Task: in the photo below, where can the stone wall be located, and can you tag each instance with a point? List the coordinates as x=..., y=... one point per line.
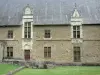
x=60, y=42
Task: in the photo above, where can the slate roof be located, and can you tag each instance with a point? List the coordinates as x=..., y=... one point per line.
x=49, y=11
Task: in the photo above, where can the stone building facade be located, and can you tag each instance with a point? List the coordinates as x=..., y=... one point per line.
x=64, y=43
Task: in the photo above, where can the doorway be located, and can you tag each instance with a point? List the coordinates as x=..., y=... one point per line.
x=27, y=54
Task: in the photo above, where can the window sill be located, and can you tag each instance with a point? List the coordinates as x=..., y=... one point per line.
x=47, y=38
x=8, y=58
x=77, y=61
x=26, y=38
x=10, y=39
x=47, y=58
x=77, y=40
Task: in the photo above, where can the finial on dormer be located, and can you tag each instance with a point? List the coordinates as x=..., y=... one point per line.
x=76, y=16
x=75, y=5
x=27, y=5
x=75, y=13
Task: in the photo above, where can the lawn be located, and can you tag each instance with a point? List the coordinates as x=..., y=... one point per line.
x=69, y=70
x=5, y=68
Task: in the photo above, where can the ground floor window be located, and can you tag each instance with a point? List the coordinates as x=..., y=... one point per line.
x=77, y=54
x=9, y=52
x=47, y=52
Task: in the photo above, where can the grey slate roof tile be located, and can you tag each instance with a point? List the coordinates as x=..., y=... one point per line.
x=49, y=11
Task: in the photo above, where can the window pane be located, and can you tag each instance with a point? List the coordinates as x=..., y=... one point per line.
x=9, y=52
x=49, y=49
x=47, y=52
x=74, y=34
x=74, y=28
x=77, y=54
x=29, y=24
x=27, y=30
x=45, y=49
x=25, y=24
x=76, y=31
x=49, y=55
x=47, y=34
x=45, y=55
x=78, y=28
x=29, y=35
x=78, y=48
x=78, y=34
x=25, y=35
x=10, y=34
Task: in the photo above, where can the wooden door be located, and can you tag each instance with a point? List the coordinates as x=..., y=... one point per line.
x=27, y=54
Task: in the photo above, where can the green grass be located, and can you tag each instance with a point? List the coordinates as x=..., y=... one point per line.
x=70, y=70
x=5, y=68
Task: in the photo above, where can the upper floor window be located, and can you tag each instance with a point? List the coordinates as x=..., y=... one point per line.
x=47, y=52
x=77, y=54
x=10, y=33
x=47, y=34
x=9, y=52
x=27, y=30
x=76, y=31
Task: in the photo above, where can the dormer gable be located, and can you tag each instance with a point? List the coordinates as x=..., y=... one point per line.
x=28, y=10
x=76, y=18
x=76, y=14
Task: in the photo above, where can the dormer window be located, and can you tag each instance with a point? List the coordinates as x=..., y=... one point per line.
x=76, y=31
x=27, y=22
x=27, y=30
x=76, y=25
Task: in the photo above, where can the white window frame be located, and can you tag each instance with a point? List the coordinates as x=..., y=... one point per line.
x=27, y=33
x=76, y=31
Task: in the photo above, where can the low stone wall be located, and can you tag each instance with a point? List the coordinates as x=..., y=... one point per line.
x=15, y=71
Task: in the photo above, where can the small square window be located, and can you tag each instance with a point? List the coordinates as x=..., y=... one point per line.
x=47, y=34
x=10, y=33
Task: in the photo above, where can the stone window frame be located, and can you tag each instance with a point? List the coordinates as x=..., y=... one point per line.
x=47, y=52
x=9, y=52
x=10, y=34
x=27, y=30
x=76, y=31
x=77, y=53
x=47, y=33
